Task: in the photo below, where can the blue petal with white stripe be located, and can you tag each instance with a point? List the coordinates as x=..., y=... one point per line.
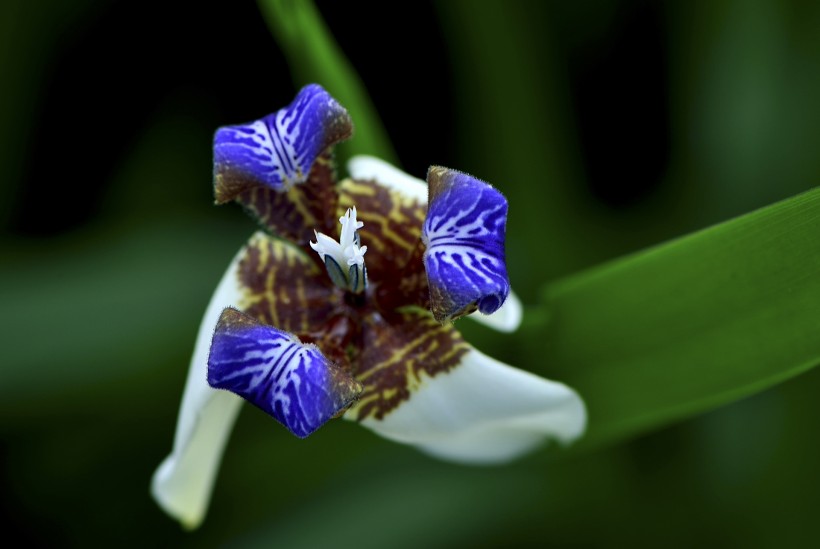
x=278, y=150
x=274, y=371
x=464, y=233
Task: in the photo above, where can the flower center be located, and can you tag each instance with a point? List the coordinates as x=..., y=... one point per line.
x=344, y=260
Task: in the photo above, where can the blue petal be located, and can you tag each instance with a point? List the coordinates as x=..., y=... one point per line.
x=279, y=150
x=274, y=371
x=464, y=234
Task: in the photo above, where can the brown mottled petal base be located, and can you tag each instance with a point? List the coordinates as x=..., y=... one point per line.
x=481, y=411
x=392, y=224
x=292, y=214
x=371, y=168
x=283, y=286
x=397, y=353
x=408, y=286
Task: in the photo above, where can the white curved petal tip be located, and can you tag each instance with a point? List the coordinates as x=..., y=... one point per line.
x=484, y=412
x=183, y=483
x=506, y=319
x=179, y=504
x=370, y=167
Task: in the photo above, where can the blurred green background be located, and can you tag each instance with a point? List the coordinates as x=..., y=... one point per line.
x=609, y=125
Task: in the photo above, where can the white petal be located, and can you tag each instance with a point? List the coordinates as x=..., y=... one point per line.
x=325, y=245
x=183, y=482
x=370, y=167
x=506, y=319
x=484, y=412
x=350, y=225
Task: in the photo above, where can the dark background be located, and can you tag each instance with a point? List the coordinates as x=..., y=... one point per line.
x=611, y=126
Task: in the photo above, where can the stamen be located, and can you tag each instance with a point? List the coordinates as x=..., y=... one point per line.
x=348, y=252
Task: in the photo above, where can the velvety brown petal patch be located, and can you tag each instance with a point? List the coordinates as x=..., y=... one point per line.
x=399, y=287
x=283, y=287
x=392, y=223
x=397, y=353
x=292, y=214
x=340, y=337
x=392, y=234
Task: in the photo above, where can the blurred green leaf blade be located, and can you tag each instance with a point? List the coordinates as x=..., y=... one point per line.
x=667, y=333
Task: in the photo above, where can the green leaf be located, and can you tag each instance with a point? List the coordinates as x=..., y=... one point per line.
x=475, y=494
x=314, y=56
x=686, y=326
x=124, y=309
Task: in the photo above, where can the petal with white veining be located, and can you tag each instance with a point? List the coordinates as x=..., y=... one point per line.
x=364, y=167
x=278, y=151
x=464, y=233
x=292, y=382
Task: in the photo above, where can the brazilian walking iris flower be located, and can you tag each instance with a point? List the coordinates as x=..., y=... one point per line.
x=344, y=306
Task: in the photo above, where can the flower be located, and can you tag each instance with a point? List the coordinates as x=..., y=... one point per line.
x=307, y=327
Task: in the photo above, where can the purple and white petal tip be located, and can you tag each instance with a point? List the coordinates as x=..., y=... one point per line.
x=275, y=372
x=278, y=151
x=464, y=233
